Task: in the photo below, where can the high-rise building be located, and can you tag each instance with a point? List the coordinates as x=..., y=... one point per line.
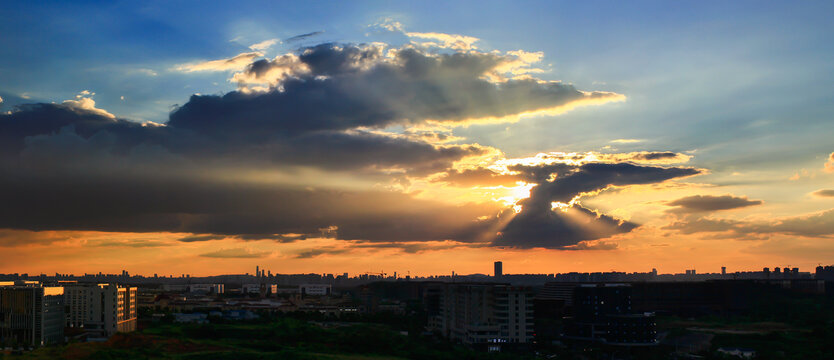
x=31, y=314
x=101, y=309
x=723, y=270
x=499, y=269
x=485, y=314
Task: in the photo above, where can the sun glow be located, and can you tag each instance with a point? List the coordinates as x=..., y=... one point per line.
x=564, y=207
x=515, y=194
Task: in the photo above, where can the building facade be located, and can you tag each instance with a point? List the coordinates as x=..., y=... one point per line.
x=31, y=315
x=315, y=289
x=101, y=309
x=603, y=313
x=485, y=314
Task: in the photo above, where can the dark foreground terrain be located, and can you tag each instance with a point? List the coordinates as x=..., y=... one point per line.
x=284, y=338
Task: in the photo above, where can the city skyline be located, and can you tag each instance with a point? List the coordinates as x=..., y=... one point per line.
x=419, y=138
x=821, y=271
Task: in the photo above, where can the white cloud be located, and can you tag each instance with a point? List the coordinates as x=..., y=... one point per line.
x=277, y=70
x=84, y=101
x=236, y=63
x=446, y=41
x=388, y=24
x=263, y=45
x=626, y=141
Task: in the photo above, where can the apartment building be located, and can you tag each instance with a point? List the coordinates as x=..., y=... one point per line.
x=484, y=314
x=101, y=309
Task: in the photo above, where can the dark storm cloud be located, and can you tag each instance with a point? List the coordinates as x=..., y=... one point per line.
x=68, y=167
x=559, y=230
x=707, y=203
x=345, y=87
x=46, y=119
x=124, y=202
x=340, y=151
x=39, y=131
x=537, y=225
x=572, y=180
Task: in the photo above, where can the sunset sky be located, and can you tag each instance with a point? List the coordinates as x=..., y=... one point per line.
x=416, y=137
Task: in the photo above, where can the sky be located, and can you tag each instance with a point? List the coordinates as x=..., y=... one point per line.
x=416, y=137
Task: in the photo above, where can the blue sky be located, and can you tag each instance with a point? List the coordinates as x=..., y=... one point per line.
x=687, y=69
x=740, y=87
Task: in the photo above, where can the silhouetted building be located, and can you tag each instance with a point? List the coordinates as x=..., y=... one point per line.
x=549, y=309
x=603, y=313
x=499, y=271
x=825, y=273
x=31, y=314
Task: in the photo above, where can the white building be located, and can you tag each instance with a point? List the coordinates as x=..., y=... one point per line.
x=101, y=309
x=488, y=314
x=206, y=288
x=314, y=289
x=263, y=289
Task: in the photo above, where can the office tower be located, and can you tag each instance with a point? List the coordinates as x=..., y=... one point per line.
x=31, y=314
x=101, y=309
x=723, y=270
x=499, y=271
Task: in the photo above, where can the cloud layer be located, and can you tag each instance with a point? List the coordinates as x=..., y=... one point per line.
x=304, y=149
x=540, y=224
x=708, y=203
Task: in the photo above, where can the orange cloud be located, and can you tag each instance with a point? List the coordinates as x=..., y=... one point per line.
x=829, y=165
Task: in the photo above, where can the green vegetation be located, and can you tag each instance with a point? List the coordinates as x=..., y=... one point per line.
x=781, y=325
x=279, y=338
